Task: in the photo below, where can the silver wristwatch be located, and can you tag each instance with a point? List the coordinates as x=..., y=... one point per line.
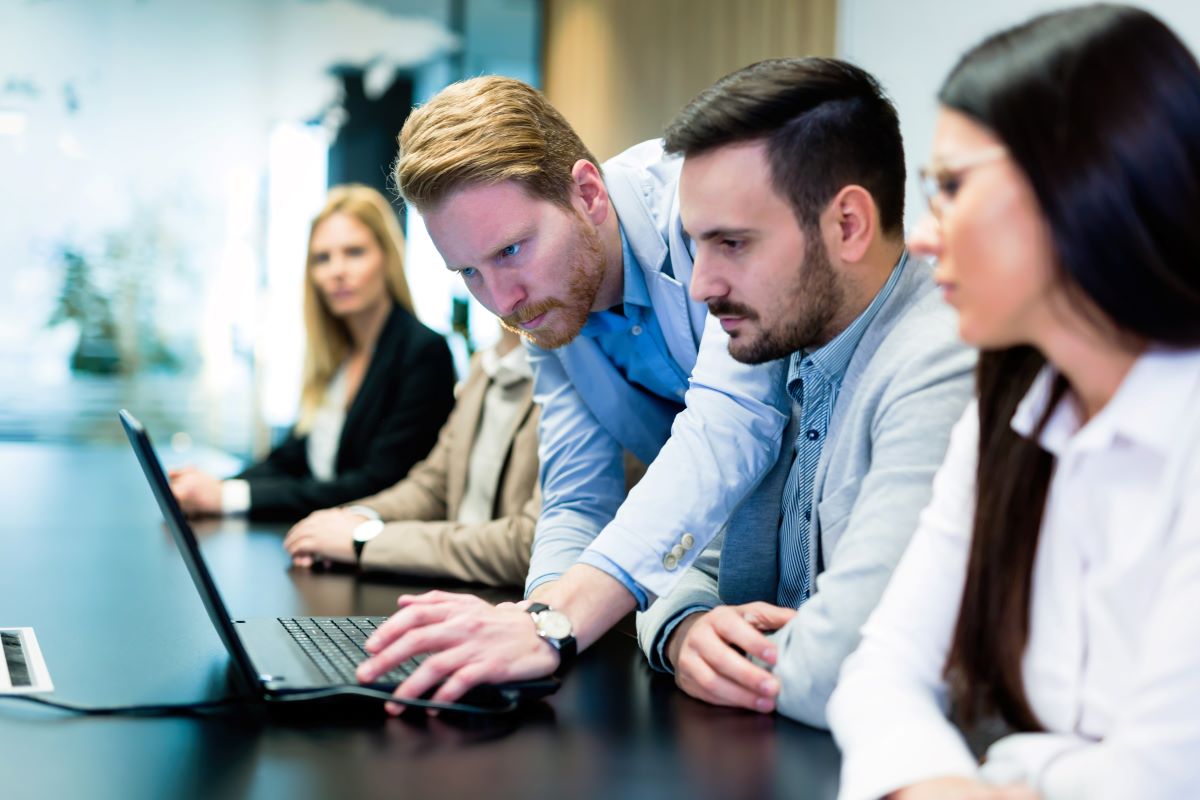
x=363, y=533
x=555, y=629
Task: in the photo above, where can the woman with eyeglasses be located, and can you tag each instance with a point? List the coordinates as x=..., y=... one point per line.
x=1052, y=590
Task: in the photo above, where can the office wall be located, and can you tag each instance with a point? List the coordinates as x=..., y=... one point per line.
x=912, y=45
x=619, y=70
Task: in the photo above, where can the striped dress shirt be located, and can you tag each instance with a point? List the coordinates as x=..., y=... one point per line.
x=814, y=379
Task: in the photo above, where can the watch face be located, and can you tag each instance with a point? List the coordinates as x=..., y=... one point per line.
x=367, y=531
x=553, y=624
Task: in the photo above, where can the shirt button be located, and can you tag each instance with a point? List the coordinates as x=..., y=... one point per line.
x=688, y=541
x=636, y=330
x=670, y=561
x=813, y=435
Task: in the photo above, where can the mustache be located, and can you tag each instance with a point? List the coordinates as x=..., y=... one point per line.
x=529, y=311
x=728, y=308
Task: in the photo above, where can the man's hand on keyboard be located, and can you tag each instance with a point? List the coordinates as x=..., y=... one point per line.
x=470, y=641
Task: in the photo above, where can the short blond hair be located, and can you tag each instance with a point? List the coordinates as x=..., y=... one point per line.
x=485, y=131
x=328, y=338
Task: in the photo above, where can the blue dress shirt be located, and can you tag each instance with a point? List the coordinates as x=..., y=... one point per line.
x=618, y=387
x=633, y=341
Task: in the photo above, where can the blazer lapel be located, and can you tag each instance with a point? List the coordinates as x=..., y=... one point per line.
x=468, y=414
x=916, y=276
x=382, y=358
x=524, y=408
x=522, y=413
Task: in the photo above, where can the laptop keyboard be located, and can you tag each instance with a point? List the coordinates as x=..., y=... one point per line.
x=335, y=645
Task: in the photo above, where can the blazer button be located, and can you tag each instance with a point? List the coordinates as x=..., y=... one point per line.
x=677, y=551
x=670, y=561
x=688, y=541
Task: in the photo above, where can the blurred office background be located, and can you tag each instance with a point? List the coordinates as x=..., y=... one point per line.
x=160, y=161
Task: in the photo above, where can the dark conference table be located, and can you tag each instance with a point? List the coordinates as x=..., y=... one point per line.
x=88, y=564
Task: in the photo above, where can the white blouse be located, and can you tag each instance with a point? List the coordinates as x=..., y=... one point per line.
x=326, y=432
x=508, y=374
x=1112, y=666
x=321, y=446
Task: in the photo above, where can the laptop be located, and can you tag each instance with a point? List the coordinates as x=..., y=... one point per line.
x=292, y=660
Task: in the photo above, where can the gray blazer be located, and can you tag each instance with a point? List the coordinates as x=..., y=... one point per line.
x=908, y=382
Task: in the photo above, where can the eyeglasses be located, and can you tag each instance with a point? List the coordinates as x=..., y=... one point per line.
x=941, y=184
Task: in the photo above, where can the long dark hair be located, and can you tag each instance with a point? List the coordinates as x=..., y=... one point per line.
x=1100, y=108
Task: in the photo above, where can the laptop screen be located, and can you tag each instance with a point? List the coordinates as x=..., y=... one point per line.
x=189, y=548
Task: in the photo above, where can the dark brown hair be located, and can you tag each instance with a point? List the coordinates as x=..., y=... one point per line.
x=1012, y=478
x=827, y=125
x=1099, y=107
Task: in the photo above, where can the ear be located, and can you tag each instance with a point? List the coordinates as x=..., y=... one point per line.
x=589, y=192
x=851, y=223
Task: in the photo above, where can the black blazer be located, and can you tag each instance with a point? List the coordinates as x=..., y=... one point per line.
x=393, y=423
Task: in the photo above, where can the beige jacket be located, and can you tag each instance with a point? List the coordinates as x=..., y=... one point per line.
x=422, y=538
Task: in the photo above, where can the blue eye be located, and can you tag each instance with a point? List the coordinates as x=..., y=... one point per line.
x=468, y=272
x=510, y=251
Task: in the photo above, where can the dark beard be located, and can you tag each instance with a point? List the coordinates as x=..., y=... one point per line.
x=819, y=298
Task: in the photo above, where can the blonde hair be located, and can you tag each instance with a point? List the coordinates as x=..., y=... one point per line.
x=486, y=131
x=328, y=338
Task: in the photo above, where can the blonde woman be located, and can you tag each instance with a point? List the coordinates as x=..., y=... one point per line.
x=377, y=383
x=468, y=510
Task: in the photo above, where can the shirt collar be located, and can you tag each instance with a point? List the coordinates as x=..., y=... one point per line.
x=1152, y=402
x=636, y=291
x=507, y=370
x=1062, y=423
x=832, y=359
x=635, y=299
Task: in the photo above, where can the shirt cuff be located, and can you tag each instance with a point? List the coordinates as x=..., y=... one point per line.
x=658, y=571
x=1029, y=758
x=235, y=496
x=533, y=583
x=363, y=511
x=607, y=565
x=660, y=661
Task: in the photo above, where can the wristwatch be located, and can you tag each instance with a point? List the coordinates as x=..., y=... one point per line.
x=555, y=629
x=363, y=533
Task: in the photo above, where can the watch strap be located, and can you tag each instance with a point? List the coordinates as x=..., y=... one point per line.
x=567, y=647
x=359, y=539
